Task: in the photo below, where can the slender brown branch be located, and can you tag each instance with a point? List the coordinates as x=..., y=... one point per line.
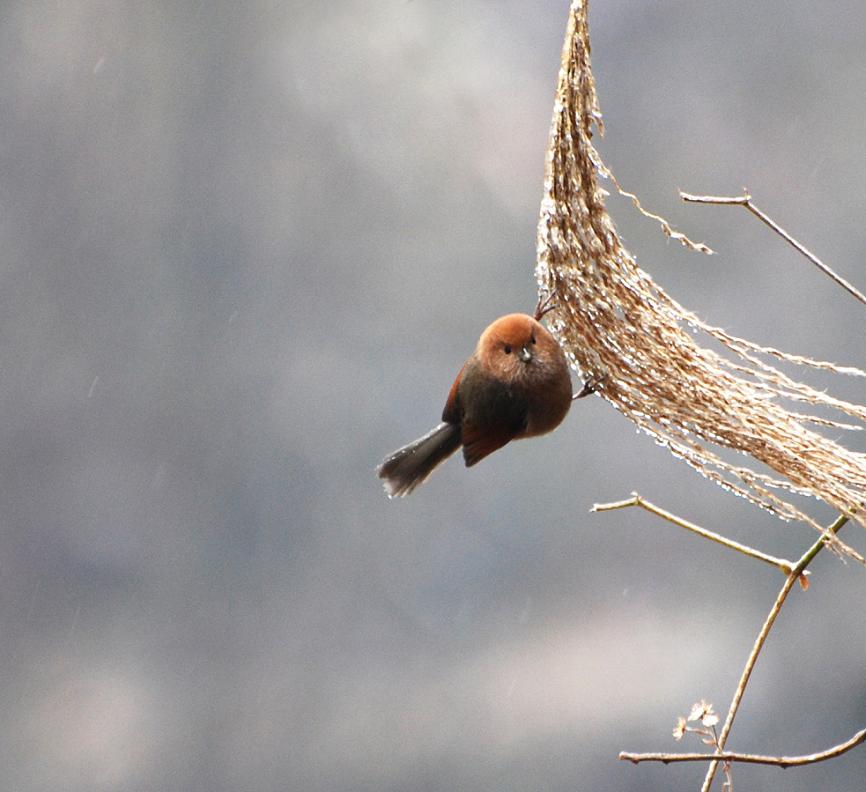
x=730, y=756
x=637, y=500
x=746, y=201
x=800, y=567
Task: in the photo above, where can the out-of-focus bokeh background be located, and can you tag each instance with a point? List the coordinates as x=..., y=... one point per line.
x=245, y=249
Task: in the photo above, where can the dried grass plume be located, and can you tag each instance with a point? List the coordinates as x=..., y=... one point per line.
x=615, y=322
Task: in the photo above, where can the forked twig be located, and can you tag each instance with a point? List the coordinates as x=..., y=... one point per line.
x=746, y=200
x=794, y=572
x=636, y=499
x=792, y=578
x=730, y=756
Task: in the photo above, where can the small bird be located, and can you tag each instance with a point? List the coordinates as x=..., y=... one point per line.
x=516, y=384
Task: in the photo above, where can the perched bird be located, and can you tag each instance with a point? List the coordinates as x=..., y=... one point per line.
x=516, y=384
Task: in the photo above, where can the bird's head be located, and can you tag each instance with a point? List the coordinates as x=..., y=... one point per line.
x=516, y=345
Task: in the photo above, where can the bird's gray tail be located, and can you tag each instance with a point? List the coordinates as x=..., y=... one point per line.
x=412, y=465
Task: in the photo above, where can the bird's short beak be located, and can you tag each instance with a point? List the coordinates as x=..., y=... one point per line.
x=525, y=354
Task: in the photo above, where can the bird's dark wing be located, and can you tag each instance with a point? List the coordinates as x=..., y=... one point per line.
x=479, y=442
x=453, y=412
x=492, y=415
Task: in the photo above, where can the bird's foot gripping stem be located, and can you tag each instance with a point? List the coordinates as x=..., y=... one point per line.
x=546, y=304
x=590, y=386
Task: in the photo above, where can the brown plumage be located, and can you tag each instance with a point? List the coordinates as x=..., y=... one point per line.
x=516, y=384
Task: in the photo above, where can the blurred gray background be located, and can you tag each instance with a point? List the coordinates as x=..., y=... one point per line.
x=245, y=249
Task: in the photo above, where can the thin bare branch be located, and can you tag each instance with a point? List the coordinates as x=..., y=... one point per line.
x=746, y=201
x=785, y=566
x=721, y=200
x=798, y=570
x=730, y=756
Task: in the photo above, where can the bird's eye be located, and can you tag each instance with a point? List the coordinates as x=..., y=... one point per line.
x=532, y=338
x=507, y=349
